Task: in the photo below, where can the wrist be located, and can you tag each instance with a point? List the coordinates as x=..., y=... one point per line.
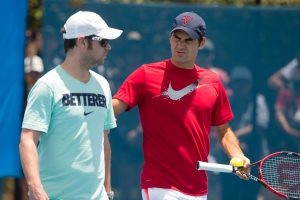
x=240, y=155
x=34, y=185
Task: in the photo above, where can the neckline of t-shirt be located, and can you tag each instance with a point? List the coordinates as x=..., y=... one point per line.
x=173, y=67
x=71, y=78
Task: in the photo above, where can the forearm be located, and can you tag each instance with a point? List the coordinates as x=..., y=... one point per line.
x=29, y=160
x=275, y=81
x=244, y=131
x=282, y=120
x=107, y=157
x=229, y=142
x=285, y=125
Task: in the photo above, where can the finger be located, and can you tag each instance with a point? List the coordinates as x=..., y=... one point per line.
x=242, y=175
x=246, y=170
x=246, y=163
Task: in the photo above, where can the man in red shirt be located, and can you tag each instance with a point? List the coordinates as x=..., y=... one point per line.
x=178, y=103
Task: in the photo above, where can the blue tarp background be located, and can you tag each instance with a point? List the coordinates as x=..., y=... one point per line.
x=261, y=38
x=12, y=40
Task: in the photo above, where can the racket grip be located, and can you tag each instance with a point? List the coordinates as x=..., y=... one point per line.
x=214, y=167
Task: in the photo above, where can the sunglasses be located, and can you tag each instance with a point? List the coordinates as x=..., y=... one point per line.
x=103, y=42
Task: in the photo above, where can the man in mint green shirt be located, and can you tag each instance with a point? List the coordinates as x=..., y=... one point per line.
x=68, y=116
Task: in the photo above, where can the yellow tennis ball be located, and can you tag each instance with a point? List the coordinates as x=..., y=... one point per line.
x=236, y=162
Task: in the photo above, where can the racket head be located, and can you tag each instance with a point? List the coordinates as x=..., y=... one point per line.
x=280, y=171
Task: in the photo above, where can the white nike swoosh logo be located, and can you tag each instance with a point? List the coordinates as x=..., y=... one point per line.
x=178, y=94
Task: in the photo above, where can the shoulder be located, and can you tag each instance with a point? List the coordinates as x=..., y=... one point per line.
x=52, y=74
x=208, y=74
x=101, y=80
x=98, y=77
x=148, y=69
x=155, y=65
x=49, y=78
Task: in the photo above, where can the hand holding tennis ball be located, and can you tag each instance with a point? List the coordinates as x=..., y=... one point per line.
x=236, y=162
x=244, y=162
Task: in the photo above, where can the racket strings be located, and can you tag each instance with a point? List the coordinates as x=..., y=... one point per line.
x=282, y=173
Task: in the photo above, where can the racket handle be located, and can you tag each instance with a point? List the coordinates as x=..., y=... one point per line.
x=214, y=167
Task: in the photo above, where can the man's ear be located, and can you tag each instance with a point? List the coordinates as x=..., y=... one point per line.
x=202, y=44
x=81, y=42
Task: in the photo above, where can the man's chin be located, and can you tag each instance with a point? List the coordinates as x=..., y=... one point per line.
x=100, y=62
x=179, y=59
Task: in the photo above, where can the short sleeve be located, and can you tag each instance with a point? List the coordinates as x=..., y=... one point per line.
x=222, y=112
x=39, y=108
x=110, y=121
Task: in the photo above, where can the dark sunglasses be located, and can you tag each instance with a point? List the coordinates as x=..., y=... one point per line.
x=103, y=42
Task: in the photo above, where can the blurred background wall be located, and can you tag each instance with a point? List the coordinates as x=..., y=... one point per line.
x=262, y=40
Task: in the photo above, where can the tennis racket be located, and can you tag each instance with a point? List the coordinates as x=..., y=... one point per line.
x=279, y=172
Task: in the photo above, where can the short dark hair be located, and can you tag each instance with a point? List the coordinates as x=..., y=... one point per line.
x=71, y=43
x=68, y=43
x=200, y=39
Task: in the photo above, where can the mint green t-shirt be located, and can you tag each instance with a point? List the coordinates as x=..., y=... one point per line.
x=72, y=117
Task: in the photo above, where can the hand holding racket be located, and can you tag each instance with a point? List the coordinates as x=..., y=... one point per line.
x=243, y=164
x=279, y=172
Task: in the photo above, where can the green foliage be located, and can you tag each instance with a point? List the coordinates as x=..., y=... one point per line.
x=219, y=2
x=35, y=14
